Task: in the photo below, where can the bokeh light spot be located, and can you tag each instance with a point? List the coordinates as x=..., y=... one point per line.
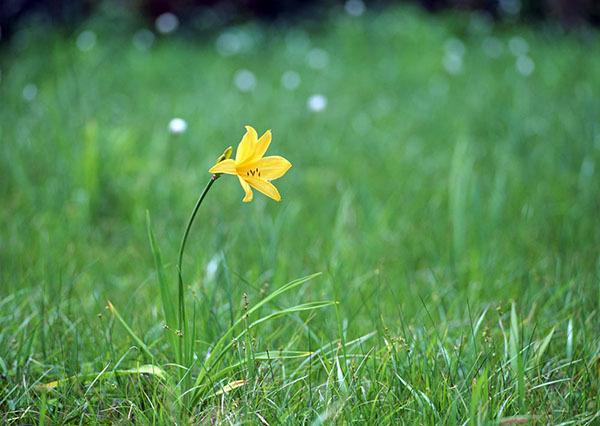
x=290, y=80
x=166, y=23
x=518, y=46
x=354, y=7
x=244, y=80
x=143, y=39
x=317, y=103
x=525, y=65
x=317, y=59
x=86, y=40
x=492, y=47
x=30, y=92
x=177, y=126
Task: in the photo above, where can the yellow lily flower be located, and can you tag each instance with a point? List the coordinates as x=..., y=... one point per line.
x=252, y=169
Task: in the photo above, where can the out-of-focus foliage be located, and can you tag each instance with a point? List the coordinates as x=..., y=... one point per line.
x=199, y=14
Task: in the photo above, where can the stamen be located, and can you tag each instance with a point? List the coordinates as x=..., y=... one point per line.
x=253, y=172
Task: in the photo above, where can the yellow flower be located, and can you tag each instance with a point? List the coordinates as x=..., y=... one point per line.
x=252, y=169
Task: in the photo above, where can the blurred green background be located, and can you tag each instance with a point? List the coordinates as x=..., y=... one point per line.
x=444, y=167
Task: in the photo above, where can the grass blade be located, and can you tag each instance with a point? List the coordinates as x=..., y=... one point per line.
x=134, y=336
x=148, y=369
x=167, y=299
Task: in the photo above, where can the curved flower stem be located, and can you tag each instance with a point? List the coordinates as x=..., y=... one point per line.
x=182, y=323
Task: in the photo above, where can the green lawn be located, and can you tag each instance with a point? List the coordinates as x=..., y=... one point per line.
x=449, y=193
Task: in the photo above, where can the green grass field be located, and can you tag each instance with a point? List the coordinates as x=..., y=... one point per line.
x=449, y=194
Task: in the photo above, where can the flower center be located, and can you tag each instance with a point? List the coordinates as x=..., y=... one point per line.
x=253, y=172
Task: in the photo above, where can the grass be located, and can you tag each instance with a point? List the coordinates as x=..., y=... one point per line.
x=450, y=202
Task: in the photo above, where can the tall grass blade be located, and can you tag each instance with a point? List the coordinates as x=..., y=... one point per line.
x=540, y=347
x=516, y=357
x=460, y=178
x=167, y=298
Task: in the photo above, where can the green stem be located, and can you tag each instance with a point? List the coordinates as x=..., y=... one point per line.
x=182, y=323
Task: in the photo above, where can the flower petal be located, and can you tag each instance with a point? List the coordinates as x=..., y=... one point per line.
x=245, y=149
x=262, y=145
x=247, y=190
x=225, y=166
x=265, y=187
x=267, y=168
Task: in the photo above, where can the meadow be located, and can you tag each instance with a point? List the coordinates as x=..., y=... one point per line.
x=445, y=185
